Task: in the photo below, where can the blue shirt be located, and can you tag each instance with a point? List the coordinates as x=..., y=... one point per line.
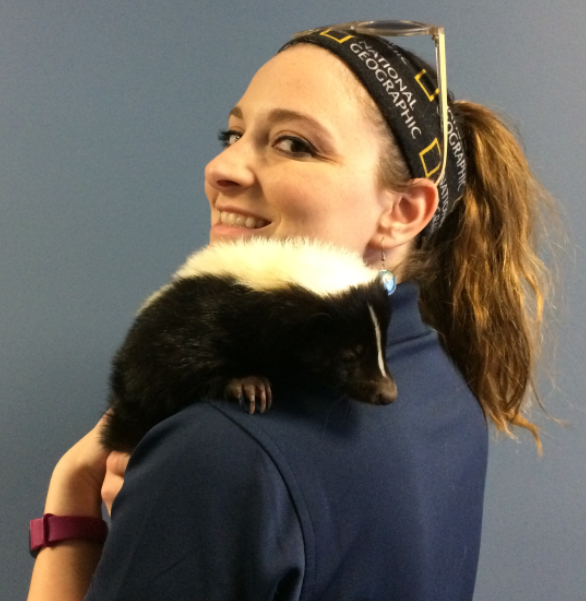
x=320, y=498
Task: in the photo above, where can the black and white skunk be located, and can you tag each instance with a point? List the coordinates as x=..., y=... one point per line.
x=245, y=320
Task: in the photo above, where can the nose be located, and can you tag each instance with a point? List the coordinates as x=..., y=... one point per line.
x=387, y=392
x=232, y=169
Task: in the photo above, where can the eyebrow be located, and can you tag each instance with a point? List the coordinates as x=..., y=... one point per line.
x=276, y=115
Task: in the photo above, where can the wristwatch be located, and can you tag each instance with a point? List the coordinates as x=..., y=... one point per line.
x=52, y=529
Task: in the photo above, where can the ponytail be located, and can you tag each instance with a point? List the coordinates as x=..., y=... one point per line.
x=482, y=284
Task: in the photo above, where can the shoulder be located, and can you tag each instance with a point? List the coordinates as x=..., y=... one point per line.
x=203, y=445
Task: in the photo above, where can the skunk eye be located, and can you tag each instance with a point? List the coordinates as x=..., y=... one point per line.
x=348, y=355
x=351, y=355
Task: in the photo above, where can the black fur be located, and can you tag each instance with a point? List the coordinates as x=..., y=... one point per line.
x=203, y=331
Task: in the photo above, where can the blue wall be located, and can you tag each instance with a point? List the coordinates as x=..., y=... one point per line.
x=109, y=112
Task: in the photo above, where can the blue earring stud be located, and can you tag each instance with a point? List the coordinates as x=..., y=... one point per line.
x=387, y=278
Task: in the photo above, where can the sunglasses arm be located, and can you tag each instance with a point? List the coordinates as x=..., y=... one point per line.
x=440, y=48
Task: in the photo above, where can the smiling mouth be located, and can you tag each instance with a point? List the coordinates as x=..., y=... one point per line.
x=244, y=221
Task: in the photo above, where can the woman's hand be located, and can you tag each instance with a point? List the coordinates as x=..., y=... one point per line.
x=86, y=475
x=64, y=571
x=78, y=476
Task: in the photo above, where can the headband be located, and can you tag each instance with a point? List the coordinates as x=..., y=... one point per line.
x=407, y=97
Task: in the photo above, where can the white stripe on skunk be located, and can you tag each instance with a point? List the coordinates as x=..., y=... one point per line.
x=263, y=264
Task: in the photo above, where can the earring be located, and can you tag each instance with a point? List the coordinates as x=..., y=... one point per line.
x=387, y=278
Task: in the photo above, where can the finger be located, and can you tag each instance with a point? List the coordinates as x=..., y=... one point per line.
x=250, y=390
x=110, y=488
x=117, y=462
x=269, y=394
x=245, y=403
x=262, y=397
x=114, y=478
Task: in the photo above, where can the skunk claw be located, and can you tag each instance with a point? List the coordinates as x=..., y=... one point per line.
x=250, y=391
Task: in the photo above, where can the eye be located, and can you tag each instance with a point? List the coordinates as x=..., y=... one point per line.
x=351, y=355
x=295, y=146
x=228, y=136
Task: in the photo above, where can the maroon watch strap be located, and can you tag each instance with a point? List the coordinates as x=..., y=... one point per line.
x=52, y=529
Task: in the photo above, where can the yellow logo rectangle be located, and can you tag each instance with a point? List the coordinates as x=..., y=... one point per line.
x=418, y=80
x=427, y=158
x=327, y=34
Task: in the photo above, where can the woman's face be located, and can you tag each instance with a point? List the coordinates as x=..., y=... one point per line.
x=301, y=158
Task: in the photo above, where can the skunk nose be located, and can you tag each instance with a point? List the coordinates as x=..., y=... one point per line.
x=386, y=393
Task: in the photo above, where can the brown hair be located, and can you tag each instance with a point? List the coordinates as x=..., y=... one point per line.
x=483, y=285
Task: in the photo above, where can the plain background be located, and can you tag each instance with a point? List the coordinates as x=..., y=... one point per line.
x=109, y=112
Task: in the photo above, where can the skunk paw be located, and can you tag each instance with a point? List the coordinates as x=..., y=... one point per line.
x=249, y=392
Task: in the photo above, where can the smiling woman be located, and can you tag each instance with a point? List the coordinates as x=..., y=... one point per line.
x=303, y=157
x=322, y=497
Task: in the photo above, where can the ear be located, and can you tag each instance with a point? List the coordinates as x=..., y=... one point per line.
x=408, y=213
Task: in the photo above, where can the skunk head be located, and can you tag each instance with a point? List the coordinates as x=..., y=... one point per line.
x=344, y=344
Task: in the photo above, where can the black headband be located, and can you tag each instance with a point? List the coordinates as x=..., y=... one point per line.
x=406, y=95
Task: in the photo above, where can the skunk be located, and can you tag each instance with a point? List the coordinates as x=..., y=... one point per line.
x=244, y=320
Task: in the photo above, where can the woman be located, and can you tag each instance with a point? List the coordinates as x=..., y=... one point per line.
x=323, y=498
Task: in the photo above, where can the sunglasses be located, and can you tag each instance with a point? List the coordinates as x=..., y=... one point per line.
x=407, y=28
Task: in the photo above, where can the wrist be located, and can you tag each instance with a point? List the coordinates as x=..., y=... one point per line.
x=51, y=530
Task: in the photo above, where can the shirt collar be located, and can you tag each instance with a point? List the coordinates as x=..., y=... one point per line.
x=406, y=322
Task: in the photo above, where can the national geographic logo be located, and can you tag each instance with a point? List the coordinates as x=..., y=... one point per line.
x=430, y=95
x=431, y=158
x=331, y=33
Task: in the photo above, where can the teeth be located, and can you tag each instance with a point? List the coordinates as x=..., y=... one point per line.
x=241, y=221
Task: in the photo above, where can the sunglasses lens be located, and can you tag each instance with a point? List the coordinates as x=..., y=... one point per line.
x=394, y=27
